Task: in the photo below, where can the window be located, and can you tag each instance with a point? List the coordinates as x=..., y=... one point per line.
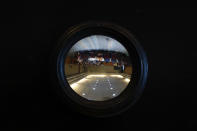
x=101, y=68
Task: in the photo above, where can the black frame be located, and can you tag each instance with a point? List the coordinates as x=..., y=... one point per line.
x=137, y=56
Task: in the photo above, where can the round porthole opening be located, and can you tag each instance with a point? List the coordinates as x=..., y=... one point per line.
x=101, y=69
x=98, y=68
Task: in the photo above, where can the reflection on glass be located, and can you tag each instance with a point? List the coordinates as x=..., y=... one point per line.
x=98, y=68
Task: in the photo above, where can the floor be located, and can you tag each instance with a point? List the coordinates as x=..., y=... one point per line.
x=100, y=87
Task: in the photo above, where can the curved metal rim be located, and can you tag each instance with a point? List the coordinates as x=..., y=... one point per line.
x=140, y=51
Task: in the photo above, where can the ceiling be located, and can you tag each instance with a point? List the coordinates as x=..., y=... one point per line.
x=98, y=42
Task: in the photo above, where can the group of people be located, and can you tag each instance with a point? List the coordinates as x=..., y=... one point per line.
x=99, y=58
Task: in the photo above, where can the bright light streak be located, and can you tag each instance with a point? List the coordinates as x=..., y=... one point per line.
x=91, y=59
x=127, y=80
x=82, y=80
x=89, y=76
x=74, y=86
x=119, y=76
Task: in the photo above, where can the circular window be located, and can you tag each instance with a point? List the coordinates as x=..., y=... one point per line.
x=98, y=68
x=101, y=68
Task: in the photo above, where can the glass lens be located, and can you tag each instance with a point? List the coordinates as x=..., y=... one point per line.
x=98, y=68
